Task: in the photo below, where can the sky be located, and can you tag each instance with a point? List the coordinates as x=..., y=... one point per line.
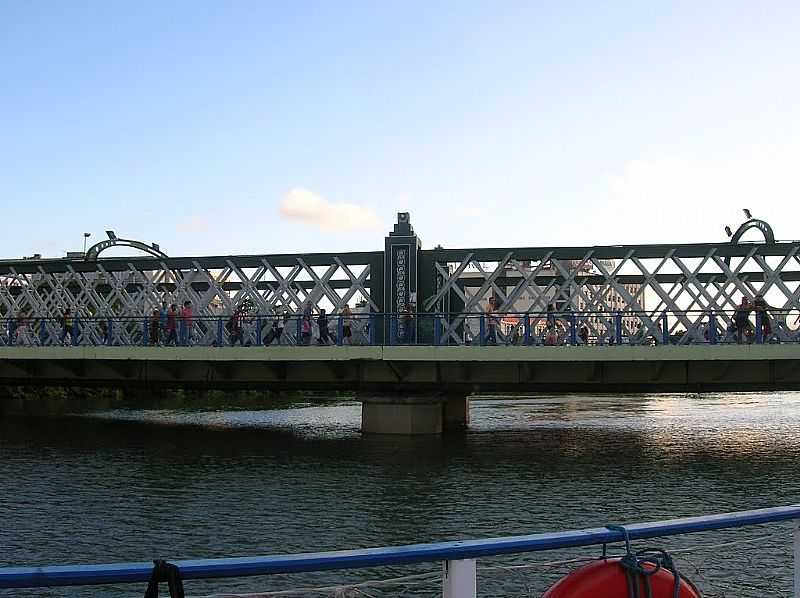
x=265, y=127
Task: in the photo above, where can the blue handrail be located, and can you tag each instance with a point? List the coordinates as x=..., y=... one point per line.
x=69, y=575
x=665, y=327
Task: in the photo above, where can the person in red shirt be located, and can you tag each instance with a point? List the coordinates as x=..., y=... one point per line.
x=186, y=323
x=171, y=327
x=235, y=327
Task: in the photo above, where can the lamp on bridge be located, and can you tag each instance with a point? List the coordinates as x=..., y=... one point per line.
x=111, y=235
x=728, y=231
x=85, y=236
x=747, y=213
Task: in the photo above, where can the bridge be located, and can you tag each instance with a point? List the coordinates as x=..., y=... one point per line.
x=424, y=327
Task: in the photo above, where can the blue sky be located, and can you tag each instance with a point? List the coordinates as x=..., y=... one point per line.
x=262, y=127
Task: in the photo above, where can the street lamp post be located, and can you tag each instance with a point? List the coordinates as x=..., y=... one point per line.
x=85, y=236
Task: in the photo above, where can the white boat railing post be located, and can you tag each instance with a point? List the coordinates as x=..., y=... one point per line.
x=796, y=558
x=459, y=579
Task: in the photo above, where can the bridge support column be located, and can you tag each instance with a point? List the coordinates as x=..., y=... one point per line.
x=455, y=412
x=411, y=416
x=401, y=415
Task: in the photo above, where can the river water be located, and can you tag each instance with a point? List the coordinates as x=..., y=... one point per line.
x=137, y=485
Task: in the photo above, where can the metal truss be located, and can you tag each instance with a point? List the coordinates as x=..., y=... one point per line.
x=595, y=287
x=641, y=284
x=129, y=290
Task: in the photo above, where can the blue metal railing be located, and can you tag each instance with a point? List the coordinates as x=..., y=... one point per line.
x=428, y=328
x=71, y=575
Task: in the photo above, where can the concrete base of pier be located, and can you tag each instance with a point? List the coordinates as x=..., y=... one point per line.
x=415, y=415
x=455, y=412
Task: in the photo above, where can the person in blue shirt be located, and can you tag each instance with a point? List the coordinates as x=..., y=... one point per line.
x=162, y=318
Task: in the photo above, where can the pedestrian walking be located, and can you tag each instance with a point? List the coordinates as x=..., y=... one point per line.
x=741, y=318
x=551, y=315
x=347, y=325
x=583, y=334
x=11, y=331
x=66, y=326
x=638, y=336
x=491, y=321
x=23, y=330
x=322, y=324
x=102, y=324
x=760, y=306
x=162, y=319
x=235, y=328
x=305, y=330
x=408, y=327
x=281, y=323
x=155, y=327
x=172, y=325
x=187, y=319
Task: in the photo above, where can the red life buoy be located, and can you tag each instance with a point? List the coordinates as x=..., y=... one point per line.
x=606, y=578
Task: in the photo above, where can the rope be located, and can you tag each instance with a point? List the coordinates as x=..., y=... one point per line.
x=636, y=567
x=724, y=544
x=512, y=568
x=164, y=571
x=408, y=580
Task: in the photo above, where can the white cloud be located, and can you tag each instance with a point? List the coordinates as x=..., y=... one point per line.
x=695, y=198
x=308, y=207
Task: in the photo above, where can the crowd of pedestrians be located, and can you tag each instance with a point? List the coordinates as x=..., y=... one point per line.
x=553, y=328
x=242, y=327
x=277, y=328
x=172, y=324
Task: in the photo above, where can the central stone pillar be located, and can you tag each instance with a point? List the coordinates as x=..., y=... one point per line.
x=413, y=415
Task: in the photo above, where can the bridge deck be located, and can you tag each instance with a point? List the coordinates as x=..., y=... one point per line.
x=411, y=353
x=398, y=369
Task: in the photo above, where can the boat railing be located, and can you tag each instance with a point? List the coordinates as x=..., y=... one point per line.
x=458, y=558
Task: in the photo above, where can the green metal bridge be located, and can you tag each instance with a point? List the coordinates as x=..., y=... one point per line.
x=417, y=331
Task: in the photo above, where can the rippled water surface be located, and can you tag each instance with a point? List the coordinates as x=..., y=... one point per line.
x=136, y=485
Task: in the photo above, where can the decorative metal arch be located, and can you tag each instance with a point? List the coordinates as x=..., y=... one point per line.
x=94, y=251
x=760, y=225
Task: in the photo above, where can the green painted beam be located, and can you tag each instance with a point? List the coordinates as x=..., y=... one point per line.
x=692, y=353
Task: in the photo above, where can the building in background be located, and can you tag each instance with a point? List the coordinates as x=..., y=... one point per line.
x=579, y=297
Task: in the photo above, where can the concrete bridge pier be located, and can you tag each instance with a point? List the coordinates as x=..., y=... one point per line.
x=455, y=412
x=413, y=415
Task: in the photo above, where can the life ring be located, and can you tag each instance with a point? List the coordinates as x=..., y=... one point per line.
x=607, y=578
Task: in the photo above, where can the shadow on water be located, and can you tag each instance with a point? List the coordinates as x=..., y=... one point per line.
x=134, y=485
